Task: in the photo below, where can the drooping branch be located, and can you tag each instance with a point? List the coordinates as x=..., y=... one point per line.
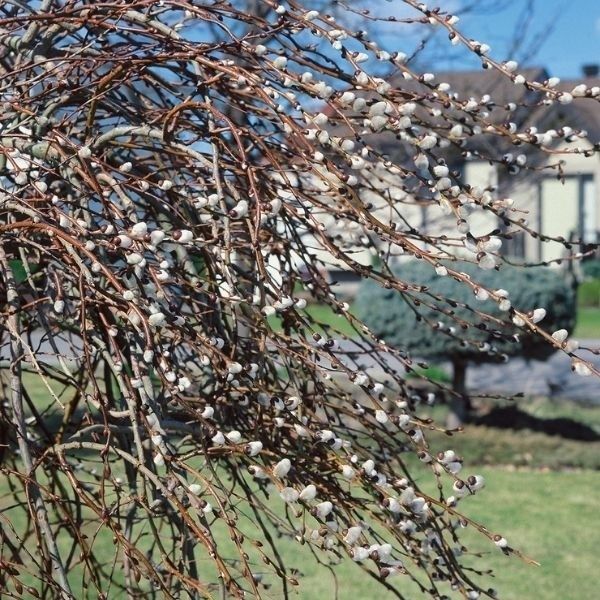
x=179, y=181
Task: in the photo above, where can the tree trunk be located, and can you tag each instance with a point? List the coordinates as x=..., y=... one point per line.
x=460, y=404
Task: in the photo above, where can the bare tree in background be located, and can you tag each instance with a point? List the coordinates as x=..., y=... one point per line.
x=170, y=172
x=534, y=23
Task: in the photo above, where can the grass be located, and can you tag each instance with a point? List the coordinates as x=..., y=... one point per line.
x=323, y=314
x=588, y=323
x=490, y=446
x=484, y=445
x=433, y=373
x=481, y=445
x=324, y=318
x=548, y=515
x=545, y=515
x=553, y=409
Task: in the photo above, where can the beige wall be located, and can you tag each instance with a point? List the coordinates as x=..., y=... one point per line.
x=559, y=214
x=559, y=201
x=481, y=174
x=578, y=164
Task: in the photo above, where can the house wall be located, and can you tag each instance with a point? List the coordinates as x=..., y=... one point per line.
x=570, y=206
x=524, y=192
x=579, y=164
x=559, y=214
x=549, y=205
x=481, y=174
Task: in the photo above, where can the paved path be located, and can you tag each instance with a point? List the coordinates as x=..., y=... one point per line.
x=552, y=377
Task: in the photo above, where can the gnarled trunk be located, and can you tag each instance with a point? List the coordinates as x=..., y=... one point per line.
x=460, y=403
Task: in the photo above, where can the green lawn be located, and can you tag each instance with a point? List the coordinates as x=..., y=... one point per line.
x=588, y=323
x=323, y=314
x=483, y=445
x=548, y=515
x=323, y=317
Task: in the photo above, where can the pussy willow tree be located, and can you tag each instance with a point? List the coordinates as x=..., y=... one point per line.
x=173, y=413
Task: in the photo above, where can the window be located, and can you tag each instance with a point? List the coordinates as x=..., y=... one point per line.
x=589, y=210
x=567, y=209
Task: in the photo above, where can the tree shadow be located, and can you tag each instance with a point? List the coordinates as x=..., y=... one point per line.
x=512, y=417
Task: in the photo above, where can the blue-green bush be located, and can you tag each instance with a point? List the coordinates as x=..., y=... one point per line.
x=591, y=268
x=395, y=317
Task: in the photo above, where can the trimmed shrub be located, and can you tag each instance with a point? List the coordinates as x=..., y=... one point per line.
x=463, y=336
x=591, y=268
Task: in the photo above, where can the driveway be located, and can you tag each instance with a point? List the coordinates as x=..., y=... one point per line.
x=552, y=378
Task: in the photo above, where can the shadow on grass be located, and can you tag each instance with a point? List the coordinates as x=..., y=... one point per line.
x=511, y=417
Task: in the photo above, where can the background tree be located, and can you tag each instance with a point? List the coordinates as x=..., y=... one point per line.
x=148, y=233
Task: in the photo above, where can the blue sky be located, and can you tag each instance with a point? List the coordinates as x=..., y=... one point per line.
x=562, y=34
x=570, y=31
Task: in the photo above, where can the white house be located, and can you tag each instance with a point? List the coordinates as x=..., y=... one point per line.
x=568, y=206
x=558, y=203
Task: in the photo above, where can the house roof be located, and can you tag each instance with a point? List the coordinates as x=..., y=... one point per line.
x=478, y=83
x=584, y=114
